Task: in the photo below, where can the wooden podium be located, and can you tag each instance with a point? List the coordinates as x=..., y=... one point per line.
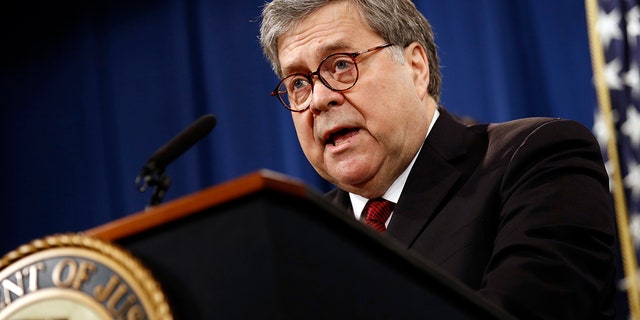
x=266, y=247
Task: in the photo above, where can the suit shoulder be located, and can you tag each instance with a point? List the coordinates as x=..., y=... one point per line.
x=535, y=137
x=540, y=128
x=524, y=125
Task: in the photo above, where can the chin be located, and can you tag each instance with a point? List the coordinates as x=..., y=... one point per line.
x=351, y=181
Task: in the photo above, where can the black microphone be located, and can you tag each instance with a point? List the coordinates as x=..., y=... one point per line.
x=152, y=173
x=180, y=143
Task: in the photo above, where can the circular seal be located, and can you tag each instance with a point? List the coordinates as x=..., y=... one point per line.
x=72, y=276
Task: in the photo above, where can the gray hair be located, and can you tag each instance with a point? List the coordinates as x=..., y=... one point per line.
x=396, y=21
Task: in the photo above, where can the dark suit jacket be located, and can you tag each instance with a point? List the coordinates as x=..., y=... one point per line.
x=519, y=211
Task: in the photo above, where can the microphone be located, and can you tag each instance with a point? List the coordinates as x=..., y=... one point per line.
x=180, y=143
x=152, y=173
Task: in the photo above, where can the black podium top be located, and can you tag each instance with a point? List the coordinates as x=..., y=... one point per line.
x=266, y=247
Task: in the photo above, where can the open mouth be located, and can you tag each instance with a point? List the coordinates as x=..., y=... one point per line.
x=341, y=136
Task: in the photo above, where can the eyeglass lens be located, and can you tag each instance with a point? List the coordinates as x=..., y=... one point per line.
x=337, y=72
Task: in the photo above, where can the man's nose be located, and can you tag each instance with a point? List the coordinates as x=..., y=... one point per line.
x=323, y=98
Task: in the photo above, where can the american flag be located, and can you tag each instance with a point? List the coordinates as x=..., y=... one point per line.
x=614, y=30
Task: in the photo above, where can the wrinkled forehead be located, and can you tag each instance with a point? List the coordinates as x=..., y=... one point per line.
x=335, y=27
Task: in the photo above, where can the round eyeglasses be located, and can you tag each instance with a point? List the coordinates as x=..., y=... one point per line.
x=338, y=72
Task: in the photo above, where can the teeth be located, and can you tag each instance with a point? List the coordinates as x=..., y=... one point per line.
x=340, y=141
x=342, y=136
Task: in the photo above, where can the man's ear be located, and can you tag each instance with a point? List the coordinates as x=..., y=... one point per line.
x=417, y=61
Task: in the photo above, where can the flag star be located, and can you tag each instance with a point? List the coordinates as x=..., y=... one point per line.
x=631, y=127
x=607, y=26
x=611, y=76
x=634, y=229
x=624, y=285
x=633, y=25
x=632, y=180
x=600, y=130
x=632, y=79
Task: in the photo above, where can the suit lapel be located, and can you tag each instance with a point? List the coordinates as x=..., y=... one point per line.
x=430, y=180
x=341, y=198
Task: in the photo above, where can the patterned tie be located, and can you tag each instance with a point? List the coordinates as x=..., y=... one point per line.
x=377, y=211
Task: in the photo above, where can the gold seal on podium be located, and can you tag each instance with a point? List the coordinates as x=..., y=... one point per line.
x=72, y=276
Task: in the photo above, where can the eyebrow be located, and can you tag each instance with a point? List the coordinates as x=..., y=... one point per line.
x=335, y=47
x=325, y=51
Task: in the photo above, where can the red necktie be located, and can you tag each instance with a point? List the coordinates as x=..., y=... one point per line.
x=377, y=211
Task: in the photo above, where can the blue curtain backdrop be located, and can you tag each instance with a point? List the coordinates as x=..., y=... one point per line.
x=89, y=89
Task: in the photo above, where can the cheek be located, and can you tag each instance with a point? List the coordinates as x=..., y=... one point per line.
x=303, y=124
x=304, y=130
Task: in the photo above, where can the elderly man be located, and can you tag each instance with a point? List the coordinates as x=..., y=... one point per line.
x=518, y=211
